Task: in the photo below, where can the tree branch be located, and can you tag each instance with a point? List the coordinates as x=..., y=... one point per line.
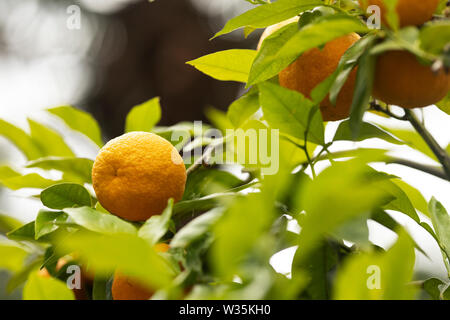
x=438, y=151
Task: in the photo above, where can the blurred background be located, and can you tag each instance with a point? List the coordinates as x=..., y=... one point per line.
x=126, y=52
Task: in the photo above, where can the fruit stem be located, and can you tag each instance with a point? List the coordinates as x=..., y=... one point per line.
x=438, y=151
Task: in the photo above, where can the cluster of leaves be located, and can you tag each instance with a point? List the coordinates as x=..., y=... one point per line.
x=225, y=231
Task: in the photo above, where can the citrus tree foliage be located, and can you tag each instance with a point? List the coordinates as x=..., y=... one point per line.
x=226, y=229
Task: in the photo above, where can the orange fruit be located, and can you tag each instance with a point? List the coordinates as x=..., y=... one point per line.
x=313, y=67
x=135, y=175
x=126, y=288
x=410, y=12
x=400, y=79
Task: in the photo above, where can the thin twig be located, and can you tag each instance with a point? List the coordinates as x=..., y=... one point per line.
x=375, y=106
x=438, y=151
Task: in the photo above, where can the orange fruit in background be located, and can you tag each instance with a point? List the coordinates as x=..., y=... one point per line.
x=410, y=12
x=313, y=67
x=125, y=288
x=135, y=175
x=400, y=79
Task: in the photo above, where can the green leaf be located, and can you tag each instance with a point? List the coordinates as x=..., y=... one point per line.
x=157, y=226
x=375, y=276
x=144, y=116
x=132, y=255
x=78, y=168
x=8, y=223
x=101, y=288
x=25, y=232
x=20, y=139
x=441, y=223
x=284, y=46
x=243, y=108
x=46, y=288
x=203, y=182
x=47, y=222
x=228, y=65
x=435, y=36
x=329, y=205
x=363, y=91
x=196, y=229
x=290, y=112
x=79, y=121
x=437, y=289
x=48, y=140
x=367, y=131
x=268, y=14
x=444, y=104
x=96, y=221
x=414, y=195
x=13, y=180
x=66, y=195
x=12, y=256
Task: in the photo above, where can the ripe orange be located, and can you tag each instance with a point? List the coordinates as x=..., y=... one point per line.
x=125, y=288
x=313, y=67
x=410, y=12
x=135, y=175
x=400, y=79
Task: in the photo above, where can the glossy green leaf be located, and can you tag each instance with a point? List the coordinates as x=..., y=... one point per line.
x=441, y=223
x=435, y=36
x=363, y=90
x=80, y=121
x=13, y=180
x=20, y=139
x=48, y=140
x=414, y=195
x=228, y=65
x=291, y=112
x=66, y=195
x=25, y=232
x=243, y=108
x=144, y=116
x=46, y=288
x=268, y=14
x=284, y=46
x=367, y=131
x=157, y=226
x=96, y=221
x=78, y=168
x=196, y=229
x=47, y=222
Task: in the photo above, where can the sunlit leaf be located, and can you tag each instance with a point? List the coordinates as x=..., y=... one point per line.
x=157, y=226
x=291, y=112
x=375, y=276
x=96, y=221
x=80, y=121
x=144, y=116
x=47, y=222
x=441, y=223
x=49, y=141
x=228, y=65
x=46, y=288
x=21, y=140
x=269, y=14
x=78, y=168
x=15, y=181
x=367, y=131
x=12, y=256
x=243, y=108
